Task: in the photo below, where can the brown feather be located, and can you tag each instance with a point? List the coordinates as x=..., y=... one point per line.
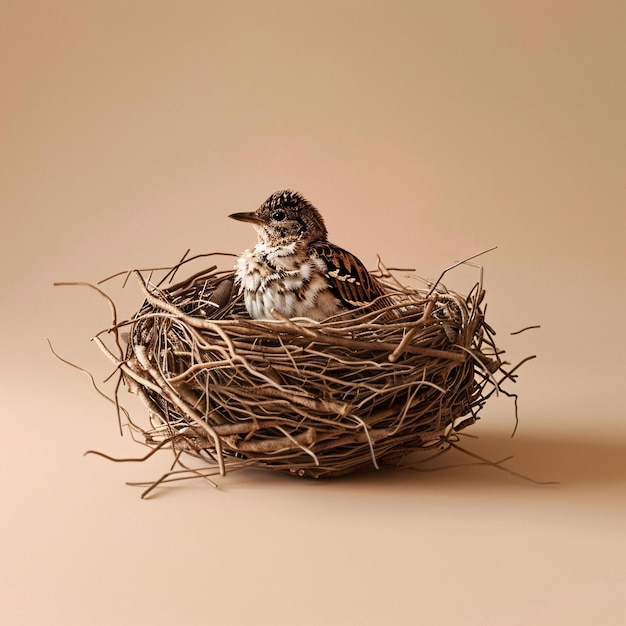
x=348, y=277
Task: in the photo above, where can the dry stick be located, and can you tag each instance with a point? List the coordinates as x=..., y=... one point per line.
x=118, y=406
x=368, y=436
x=241, y=428
x=173, y=396
x=165, y=479
x=451, y=267
x=366, y=430
x=350, y=324
x=198, y=473
x=323, y=406
x=152, y=451
x=175, y=269
x=177, y=461
x=94, y=385
x=274, y=444
x=169, y=267
x=510, y=372
x=106, y=297
x=401, y=347
x=151, y=406
x=355, y=344
x=393, y=410
x=248, y=327
x=310, y=439
x=485, y=369
x=180, y=288
x=198, y=367
x=289, y=356
x=517, y=332
x=385, y=271
x=159, y=390
x=343, y=361
x=126, y=368
x=405, y=410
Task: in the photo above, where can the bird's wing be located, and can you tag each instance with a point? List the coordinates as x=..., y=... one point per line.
x=348, y=278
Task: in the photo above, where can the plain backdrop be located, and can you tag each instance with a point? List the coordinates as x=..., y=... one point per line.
x=425, y=131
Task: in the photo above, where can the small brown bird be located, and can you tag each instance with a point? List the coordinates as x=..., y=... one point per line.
x=294, y=268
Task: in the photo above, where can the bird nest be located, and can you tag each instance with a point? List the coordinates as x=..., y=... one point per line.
x=360, y=390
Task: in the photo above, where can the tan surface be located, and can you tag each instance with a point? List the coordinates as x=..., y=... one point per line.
x=425, y=131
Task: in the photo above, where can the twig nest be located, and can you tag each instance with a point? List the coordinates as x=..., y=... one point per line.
x=359, y=390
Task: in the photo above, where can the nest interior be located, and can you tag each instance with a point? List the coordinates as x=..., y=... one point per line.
x=359, y=390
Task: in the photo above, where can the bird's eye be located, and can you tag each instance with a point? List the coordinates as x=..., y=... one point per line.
x=279, y=216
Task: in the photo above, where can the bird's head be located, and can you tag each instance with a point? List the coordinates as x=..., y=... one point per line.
x=284, y=218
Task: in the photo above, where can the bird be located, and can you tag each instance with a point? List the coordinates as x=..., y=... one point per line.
x=294, y=269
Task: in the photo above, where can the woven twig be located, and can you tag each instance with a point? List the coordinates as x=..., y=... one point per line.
x=360, y=390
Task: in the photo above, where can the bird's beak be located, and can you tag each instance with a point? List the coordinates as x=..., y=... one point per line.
x=247, y=217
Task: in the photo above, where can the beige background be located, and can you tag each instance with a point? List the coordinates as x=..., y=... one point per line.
x=426, y=132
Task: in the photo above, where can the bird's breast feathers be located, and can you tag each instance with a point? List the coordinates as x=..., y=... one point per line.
x=286, y=279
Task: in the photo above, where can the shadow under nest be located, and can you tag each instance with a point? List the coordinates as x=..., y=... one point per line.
x=357, y=391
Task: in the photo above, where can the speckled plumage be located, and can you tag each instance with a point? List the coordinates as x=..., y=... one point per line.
x=294, y=268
